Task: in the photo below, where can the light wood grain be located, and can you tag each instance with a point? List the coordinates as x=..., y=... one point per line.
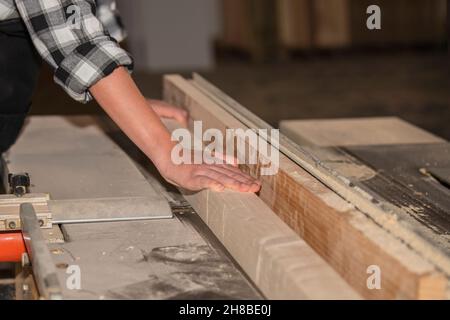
x=331, y=23
x=343, y=236
x=294, y=23
x=347, y=132
x=278, y=261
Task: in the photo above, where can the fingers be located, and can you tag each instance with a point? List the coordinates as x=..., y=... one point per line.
x=229, y=159
x=216, y=178
x=238, y=171
x=236, y=174
x=234, y=180
x=206, y=182
x=228, y=181
x=165, y=110
x=181, y=116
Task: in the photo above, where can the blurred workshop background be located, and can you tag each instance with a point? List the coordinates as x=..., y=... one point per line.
x=291, y=59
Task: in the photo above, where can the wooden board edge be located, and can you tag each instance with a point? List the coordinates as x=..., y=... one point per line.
x=277, y=260
x=416, y=279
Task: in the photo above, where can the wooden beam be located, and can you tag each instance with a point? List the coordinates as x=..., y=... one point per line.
x=319, y=163
x=278, y=261
x=348, y=240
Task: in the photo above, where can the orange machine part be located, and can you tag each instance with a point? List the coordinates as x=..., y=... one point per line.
x=12, y=247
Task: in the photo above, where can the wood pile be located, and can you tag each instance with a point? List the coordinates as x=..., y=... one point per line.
x=269, y=27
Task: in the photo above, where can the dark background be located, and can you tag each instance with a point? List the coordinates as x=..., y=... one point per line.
x=291, y=59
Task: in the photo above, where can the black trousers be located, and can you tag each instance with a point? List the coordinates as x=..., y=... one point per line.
x=19, y=68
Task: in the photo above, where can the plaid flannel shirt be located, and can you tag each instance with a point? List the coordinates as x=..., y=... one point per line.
x=78, y=38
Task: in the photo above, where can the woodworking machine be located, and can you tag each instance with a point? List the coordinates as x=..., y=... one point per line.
x=19, y=183
x=21, y=239
x=30, y=219
x=402, y=183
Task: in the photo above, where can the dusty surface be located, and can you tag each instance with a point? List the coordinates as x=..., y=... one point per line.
x=159, y=259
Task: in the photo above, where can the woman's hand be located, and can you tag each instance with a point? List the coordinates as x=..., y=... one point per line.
x=124, y=103
x=215, y=177
x=165, y=110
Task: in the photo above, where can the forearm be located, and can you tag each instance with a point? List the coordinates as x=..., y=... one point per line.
x=119, y=96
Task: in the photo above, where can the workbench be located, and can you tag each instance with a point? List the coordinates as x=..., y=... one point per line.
x=149, y=254
x=325, y=194
x=340, y=206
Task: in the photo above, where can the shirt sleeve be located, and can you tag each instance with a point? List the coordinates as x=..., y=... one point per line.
x=69, y=36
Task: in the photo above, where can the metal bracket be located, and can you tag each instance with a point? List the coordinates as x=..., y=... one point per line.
x=10, y=211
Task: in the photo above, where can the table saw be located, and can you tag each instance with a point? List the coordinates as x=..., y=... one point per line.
x=331, y=213
x=130, y=237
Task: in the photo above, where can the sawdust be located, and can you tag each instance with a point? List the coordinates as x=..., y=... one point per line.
x=390, y=222
x=353, y=171
x=394, y=247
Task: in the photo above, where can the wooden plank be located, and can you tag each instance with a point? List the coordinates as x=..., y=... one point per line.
x=294, y=23
x=389, y=33
x=401, y=179
x=385, y=160
x=417, y=236
x=249, y=26
x=347, y=132
x=306, y=24
x=343, y=236
x=278, y=261
x=331, y=27
x=421, y=22
x=237, y=31
x=404, y=22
